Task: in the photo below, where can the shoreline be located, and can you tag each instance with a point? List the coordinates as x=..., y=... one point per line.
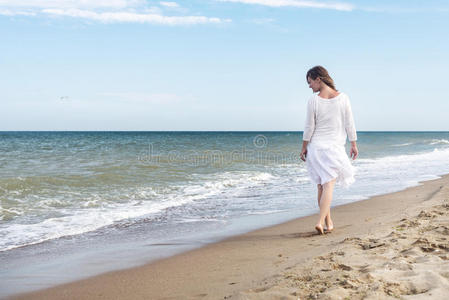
x=243, y=264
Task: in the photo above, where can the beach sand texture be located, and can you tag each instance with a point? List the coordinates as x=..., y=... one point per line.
x=392, y=246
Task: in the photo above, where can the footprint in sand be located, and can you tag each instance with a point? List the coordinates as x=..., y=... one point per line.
x=442, y=229
x=397, y=235
x=426, y=215
x=398, y=264
x=407, y=252
x=415, y=288
x=444, y=246
x=350, y=240
x=406, y=223
x=343, y=267
x=365, y=269
x=371, y=243
x=438, y=212
x=426, y=245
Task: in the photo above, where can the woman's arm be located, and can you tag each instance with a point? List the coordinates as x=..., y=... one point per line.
x=309, y=128
x=349, y=122
x=350, y=130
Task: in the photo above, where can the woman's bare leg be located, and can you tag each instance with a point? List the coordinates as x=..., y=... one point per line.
x=325, y=203
x=328, y=220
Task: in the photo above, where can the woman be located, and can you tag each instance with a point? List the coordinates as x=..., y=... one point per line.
x=329, y=122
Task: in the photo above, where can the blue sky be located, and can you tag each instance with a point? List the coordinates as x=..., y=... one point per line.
x=219, y=65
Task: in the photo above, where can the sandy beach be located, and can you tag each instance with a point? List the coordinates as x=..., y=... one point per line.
x=389, y=246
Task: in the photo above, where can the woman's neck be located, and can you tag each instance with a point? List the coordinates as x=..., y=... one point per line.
x=328, y=93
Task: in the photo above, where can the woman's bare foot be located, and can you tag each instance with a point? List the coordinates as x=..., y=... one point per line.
x=319, y=228
x=329, y=226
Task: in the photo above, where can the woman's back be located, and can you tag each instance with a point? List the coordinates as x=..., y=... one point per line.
x=329, y=121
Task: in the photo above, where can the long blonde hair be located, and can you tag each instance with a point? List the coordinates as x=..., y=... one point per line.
x=321, y=72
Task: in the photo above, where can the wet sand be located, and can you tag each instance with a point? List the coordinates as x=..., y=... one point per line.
x=389, y=246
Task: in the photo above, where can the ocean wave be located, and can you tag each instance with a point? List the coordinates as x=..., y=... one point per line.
x=94, y=211
x=400, y=168
x=265, y=212
x=401, y=145
x=439, y=141
x=76, y=222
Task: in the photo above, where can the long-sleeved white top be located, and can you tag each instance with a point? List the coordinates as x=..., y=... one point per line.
x=329, y=121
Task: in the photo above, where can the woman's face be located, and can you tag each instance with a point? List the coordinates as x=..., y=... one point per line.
x=314, y=84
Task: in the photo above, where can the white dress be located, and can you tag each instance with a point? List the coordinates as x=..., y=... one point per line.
x=329, y=123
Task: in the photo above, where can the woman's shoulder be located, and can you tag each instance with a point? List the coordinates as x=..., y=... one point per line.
x=315, y=98
x=342, y=95
x=347, y=99
x=312, y=99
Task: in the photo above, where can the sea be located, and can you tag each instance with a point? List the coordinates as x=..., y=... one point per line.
x=77, y=204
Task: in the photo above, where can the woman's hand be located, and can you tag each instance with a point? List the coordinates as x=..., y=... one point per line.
x=303, y=154
x=354, y=151
x=304, y=150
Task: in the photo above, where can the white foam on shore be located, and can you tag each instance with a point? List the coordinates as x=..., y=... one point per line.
x=78, y=221
x=439, y=141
